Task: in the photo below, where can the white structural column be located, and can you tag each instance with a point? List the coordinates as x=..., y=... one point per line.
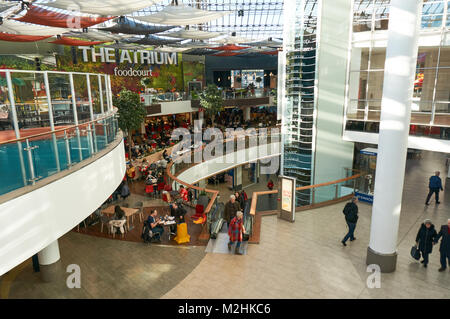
x=399, y=72
x=247, y=113
x=48, y=261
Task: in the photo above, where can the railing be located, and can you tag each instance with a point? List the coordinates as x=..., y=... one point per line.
x=25, y=160
x=156, y=98
x=318, y=194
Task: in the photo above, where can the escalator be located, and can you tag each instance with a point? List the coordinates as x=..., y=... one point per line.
x=217, y=220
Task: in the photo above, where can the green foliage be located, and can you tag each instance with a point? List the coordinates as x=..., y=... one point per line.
x=211, y=100
x=131, y=111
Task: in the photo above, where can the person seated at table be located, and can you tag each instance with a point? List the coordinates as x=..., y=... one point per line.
x=183, y=193
x=155, y=224
x=119, y=214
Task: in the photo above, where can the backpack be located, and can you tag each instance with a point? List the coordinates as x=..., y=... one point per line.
x=146, y=233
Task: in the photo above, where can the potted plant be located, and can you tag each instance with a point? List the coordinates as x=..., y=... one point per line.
x=131, y=113
x=211, y=101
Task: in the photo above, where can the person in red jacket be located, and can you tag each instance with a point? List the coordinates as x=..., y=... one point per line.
x=270, y=185
x=183, y=193
x=235, y=232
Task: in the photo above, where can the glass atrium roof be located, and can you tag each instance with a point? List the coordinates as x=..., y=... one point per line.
x=251, y=19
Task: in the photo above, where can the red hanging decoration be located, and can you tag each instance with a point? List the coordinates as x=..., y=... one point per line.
x=22, y=38
x=41, y=16
x=229, y=47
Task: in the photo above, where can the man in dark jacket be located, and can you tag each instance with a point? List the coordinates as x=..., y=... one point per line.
x=231, y=207
x=444, y=249
x=425, y=240
x=435, y=187
x=351, y=217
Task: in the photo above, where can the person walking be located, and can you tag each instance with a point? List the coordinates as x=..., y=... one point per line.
x=231, y=207
x=425, y=240
x=435, y=187
x=444, y=249
x=235, y=232
x=351, y=217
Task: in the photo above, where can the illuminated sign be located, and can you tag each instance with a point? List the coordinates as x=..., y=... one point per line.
x=287, y=198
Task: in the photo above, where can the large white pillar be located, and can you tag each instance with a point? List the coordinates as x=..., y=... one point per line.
x=48, y=262
x=399, y=72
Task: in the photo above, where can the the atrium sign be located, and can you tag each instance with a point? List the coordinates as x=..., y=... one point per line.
x=107, y=55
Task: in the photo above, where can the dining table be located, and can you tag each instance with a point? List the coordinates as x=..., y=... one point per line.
x=129, y=212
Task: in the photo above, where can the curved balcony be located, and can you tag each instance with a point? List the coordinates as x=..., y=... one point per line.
x=53, y=177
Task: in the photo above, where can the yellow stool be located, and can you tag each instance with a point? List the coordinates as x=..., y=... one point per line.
x=182, y=234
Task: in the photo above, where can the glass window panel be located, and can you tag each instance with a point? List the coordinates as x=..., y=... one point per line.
x=381, y=23
x=30, y=99
x=433, y=7
x=424, y=84
x=443, y=85
x=373, y=116
x=362, y=25
x=95, y=94
x=421, y=117
x=444, y=59
x=375, y=85
x=362, y=85
x=377, y=59
x=427, y=57
x=355, y=110
x=431, y=21
x=442, y=114
x=5, y=106
x=60, y=94
x=82, y=97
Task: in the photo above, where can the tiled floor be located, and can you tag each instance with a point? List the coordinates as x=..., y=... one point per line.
x=293, y=260
x=306, y=260
x=109, y=269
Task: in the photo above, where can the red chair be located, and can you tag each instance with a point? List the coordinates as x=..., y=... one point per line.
x=149, y=189
x=164, y=197
x=161, y=186
x=198, y=212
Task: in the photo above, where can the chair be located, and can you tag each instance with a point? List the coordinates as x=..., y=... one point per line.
x=198, y=212
x=117, y=224
x=104, y=220
x=140, y=206
x=149, y=190
x=84, y=222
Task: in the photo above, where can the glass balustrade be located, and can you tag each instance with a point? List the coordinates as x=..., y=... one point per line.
x=50, y=121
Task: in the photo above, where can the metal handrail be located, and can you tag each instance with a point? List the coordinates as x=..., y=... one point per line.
x=56, y=131
x=256, y=194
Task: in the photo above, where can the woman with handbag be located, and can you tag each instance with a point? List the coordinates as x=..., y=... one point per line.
x=425, y=240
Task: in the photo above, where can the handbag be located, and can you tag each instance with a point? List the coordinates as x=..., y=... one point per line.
x=415, y=253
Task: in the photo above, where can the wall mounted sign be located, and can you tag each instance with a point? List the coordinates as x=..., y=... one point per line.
x=108, y=55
